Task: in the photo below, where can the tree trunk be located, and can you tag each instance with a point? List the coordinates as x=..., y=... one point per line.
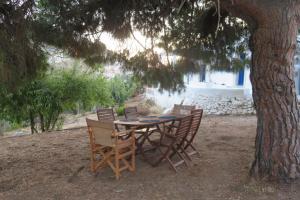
x=32, y=123
x=277, y=143
x=42, y=122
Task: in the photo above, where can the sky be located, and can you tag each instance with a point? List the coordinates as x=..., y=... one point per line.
x=130, y=44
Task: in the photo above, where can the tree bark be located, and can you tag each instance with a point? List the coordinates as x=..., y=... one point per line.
x=277, y=142
x=274, y=28
x=42, y=122
x=32, y=123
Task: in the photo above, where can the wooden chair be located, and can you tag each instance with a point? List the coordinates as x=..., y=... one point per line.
x=180, y=109
x=131, y=113
x=170, y=144
x=108, y=149
x=107, y=114
x=183, y=109
x=188, y=141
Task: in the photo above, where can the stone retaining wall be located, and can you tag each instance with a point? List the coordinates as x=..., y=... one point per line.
x=224, y=105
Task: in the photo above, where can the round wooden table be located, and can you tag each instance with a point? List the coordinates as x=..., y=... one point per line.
x=146, y=125
x=148, y=121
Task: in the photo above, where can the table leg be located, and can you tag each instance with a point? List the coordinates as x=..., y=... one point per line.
x=142, y=147
x=140, y=140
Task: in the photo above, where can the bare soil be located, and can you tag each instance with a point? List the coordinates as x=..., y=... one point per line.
x=56, y=166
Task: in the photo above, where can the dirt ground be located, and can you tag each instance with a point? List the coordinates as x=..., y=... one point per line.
x=56, y=166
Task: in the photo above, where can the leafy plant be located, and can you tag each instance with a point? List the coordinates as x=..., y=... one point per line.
x=41, y=102
x=76, y=87
x=45, y=99
x=120, y=110
x=123, y=87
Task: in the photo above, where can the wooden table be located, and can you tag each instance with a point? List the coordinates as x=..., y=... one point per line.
x=146, y=123
x=148, y=120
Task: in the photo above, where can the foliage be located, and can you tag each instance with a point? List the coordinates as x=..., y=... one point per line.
x=6, y=105
x=32, y=100
x=48, y=97
x=123, y=87
x=43, y=100
x=185, y=28
x=27, y=26
x=120, y=110
x=74, y=86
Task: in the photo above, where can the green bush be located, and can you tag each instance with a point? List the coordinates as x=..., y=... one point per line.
x=120, y=110
x=47, y=98
x=41, y=102
x=123, y=87
x=75, y=87
x=34, y=100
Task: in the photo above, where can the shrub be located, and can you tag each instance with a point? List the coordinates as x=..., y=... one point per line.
x=47, y=98
x=75, y=87
x=120, y=110
x=123, y=87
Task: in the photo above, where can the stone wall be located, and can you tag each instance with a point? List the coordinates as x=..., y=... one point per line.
x=214, y=101
x=224, y=105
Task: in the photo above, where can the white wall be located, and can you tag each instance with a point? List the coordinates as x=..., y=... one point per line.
x=218, y=84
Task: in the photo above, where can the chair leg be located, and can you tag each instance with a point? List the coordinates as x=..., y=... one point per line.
x=163, y=156
x=194, y=150
x=174, y=165
x=117, y=164
x=141, y=150
x=93, y=164
x=139, y=140
x=133, y=158
x=171, y=164
x=130, y=163
x=186, y=154
x=104, y=161
x=192, y=146
x=175, y=152
x=180, y=156
x=105, y=157
x=172, y=154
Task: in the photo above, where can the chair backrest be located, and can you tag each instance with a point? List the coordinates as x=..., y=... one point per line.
x=183, y=128
x=101, y=132
x=183, y=109
x=131, y=113
x=105, y=114
x=196, y=120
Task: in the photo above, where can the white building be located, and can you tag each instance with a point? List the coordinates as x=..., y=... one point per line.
x=208, y=83
x=204, y=84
